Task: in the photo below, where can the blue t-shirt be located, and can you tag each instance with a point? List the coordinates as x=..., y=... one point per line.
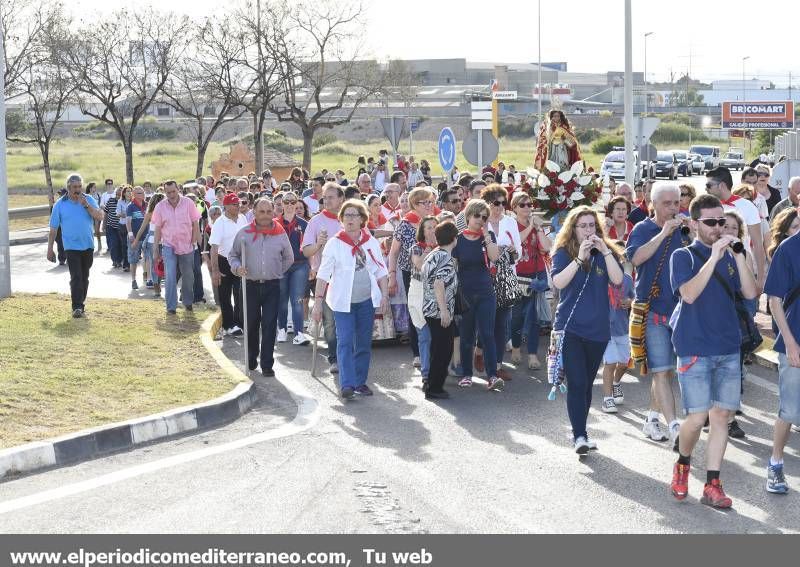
x=296, y=237
x=592, y=315
x=136, y=215
x=782, y=278
x=637, y=215
x=472, y=270
x=709, y=326
x=77, y=225
x=664, y=302
x=620, y=316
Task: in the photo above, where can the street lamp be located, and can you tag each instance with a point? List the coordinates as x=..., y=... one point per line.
x=645, y=70
x=539, y=65
x=744, y=100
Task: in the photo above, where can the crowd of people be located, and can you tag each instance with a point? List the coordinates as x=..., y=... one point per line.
x=465, y=273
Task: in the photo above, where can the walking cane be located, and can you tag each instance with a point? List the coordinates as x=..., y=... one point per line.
x=314, y=351
x=245, y=313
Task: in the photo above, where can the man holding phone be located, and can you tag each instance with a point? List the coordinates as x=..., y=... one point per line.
x=74, y=214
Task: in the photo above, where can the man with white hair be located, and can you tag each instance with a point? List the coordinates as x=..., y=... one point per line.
x=792, y=200
x=391, y=208
x=650, y=246
x=364, y=183
x=624, y=190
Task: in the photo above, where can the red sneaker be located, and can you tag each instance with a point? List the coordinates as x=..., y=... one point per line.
x=714, y=496
x=680, y=481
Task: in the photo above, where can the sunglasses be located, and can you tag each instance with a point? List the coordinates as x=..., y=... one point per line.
x=291, y=202
x=712, y=184
x=685, y=195
x=499, y=203
x=525, y=205
x=763, y=176
x=713, y=222
x=482, y=217
x=455, y=201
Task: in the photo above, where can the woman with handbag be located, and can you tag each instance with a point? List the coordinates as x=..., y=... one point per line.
x=584, y=263
x=506, y=285
x=426, y=242
x=474, y=250
x=532, y=274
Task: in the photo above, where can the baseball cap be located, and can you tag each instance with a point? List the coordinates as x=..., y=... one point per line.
x=231, y=199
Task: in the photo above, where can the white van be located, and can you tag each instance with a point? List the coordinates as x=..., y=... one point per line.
x=710, y=156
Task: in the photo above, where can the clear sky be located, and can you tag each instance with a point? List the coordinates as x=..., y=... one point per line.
x=587, y=34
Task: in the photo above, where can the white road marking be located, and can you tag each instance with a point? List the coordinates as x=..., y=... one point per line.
x=308, y=414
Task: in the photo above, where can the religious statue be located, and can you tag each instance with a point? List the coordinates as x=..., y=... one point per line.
x=557, y=142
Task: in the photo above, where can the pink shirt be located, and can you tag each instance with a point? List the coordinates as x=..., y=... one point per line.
x=315, y=225
x=176, y=224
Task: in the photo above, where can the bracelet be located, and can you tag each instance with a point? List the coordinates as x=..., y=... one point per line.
x=579, y=262
x=607, y=254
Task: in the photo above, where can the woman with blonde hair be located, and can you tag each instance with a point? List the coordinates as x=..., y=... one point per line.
x=585, y=261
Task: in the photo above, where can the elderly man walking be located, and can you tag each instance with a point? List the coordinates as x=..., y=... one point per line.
x=177, y=230
x=74, y=214
x=267, y=256
x=222, y=234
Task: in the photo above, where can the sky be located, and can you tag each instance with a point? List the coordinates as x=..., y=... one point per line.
x=588, y=34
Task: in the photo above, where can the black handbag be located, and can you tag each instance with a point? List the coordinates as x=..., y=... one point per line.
x=504, y=278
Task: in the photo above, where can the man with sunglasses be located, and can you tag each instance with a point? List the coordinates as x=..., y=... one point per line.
x=707, y=339
x=719, y=183
x=74, y=214
x=450, y=201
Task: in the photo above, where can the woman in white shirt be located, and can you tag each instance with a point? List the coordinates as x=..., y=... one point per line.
x=355, y=274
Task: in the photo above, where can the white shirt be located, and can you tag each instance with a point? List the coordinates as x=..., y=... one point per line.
x=748, y=211
x=313, y=205
x=508, y=234
x=380, y=180
x=338, y=267
x=390, y=214
x=224, y=230
x=211, y=195
x=105, y=197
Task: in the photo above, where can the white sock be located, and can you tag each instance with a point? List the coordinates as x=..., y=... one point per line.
x=674, y=423
x=774, y=463
x=652, y=415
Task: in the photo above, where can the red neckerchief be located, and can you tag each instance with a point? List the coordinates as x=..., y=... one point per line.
x=330, y=215
x=313, y=196
x=290, y=226
x=469, y=232
x=381, y=221
x=412, y=217
x=425, y=245
x=354, y=246
x=730, y=201
x=255, y=231
x=390, y=208
x=142, y=207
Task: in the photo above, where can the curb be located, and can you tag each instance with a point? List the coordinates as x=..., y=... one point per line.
x=27, y=240
x=99, y=441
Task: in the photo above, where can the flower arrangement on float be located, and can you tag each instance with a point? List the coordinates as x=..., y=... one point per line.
x=555, y=191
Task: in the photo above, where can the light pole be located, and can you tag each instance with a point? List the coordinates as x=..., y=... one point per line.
x=539, y=66
x=628, y=95
x=744, y=100
x=5, y=253
x=645, y=69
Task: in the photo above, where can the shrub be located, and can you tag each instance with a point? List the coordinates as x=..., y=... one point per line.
x=160, y=151
x=603, y=144
x=276, y=140
x=323, y=139
x=190, y=147
x=672, y=132
x=330, y=149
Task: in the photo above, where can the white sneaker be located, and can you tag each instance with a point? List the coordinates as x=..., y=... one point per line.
x=609, y=406
x=290, y=327
x=655, y=430
x=619, y=397
x=416, y=362
x=509, y=346
x=581, y=445
x=235, y=331
x=674, y=431
x=300, y=339
x=281, y=335
x=592, y=444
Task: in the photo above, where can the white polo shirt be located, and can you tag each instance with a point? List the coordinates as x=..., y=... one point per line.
x=224, y=230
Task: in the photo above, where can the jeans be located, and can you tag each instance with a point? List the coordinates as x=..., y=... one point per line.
x=412, y=330
x=354, y=343
x=525, y=323
x=229, y=284
x=79, y=263
x=148, y=256
x=329, y=330
x=501, y=318
x=199, y=292
x=262, y=315
x=441, y=351
x=114, y=245
x=582, y=359
x=481, y=314
x=293, y=286
x=172, y=263
x=424, y=341
x=123, y=246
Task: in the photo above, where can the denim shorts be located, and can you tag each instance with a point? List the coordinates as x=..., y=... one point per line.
x=710, y=381
x=658, y=337
x=134, y=252
x=618, y=350
x=789, y=390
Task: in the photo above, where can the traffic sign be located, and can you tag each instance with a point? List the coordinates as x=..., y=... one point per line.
x=504, y=95
x=393, y=129
x=447, y=149
x=414, y=125
x=648, y=152
x=480, y=147
x=782, y=173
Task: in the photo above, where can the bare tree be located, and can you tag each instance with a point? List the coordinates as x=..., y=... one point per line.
x=323, y=79
x=22, y=25
x=205, y=86
x=123, y=68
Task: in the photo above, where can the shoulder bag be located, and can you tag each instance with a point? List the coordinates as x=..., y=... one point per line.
x=637, y=327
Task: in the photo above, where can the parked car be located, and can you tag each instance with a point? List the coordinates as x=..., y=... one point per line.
x=733, y=160
x=614, y=165
x=710, y=155
x=666, y=165
x=698, y=163
x=684, y=163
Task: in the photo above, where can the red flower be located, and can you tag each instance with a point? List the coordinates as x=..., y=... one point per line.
x=559, y=183
x=590, y=170
x=552, y=174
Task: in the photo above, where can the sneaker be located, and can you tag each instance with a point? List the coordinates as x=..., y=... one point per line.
x=149, y=284
x=281, y=335
x=680, y=481
x=134, y=285
x=581, y=445
x=674, y=436
x=616, y=391
x=465, y=382
x=734, y=431
x=654, y=430
x=592, y=445
x=416, y=362
x=496, y=383
x=267, y=372
x=77, y=313
x=189, y=307
x=776, y=481
x=509, y=346
x=171, y=312
x=714, y=496
x=334, y=368
x=363, y=390
x=609, y=406
x=290, y=327
x=348, y=393
x=300, y=339
x=235, y=331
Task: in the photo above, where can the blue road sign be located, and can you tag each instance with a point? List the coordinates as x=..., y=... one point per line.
x=447, y=149
x=414, y=125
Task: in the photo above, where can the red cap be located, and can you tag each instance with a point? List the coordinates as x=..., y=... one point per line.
x=231, y=199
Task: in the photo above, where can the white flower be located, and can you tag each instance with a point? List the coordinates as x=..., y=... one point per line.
x=585, y=180
x=577, y=196
x=577, y=167
x=560, y=198
x=533, y=173
x=543, y=180
x=542, y=196
x=551, y=166
x=565, y=176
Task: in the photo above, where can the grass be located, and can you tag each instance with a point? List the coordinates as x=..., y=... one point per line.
x=27, y=224
x=59, y=375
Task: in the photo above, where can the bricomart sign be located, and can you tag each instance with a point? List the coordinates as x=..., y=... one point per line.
x=758, y=115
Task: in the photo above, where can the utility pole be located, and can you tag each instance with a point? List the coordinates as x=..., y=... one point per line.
x=628, y=97
x=539, y=67
x=744, y=101
x=645, y=70
x=5, y=252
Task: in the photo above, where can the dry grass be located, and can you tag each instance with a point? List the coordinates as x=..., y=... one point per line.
x=26, y=224
x=124, y=360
